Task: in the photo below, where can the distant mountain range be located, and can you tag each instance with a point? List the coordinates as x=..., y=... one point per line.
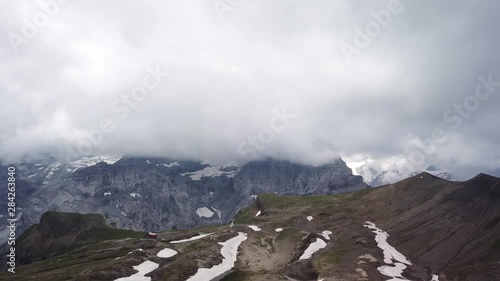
x=376, y=175
x=151, y=194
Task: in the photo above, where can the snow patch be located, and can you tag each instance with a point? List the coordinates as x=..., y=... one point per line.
x=123, y=213
x=310, y=218
x=390, y=253
x=279, y=229
x=30, y=176
x=134, y=194
x=166, y=253
x=326, y=234
x=209, y=172
x=143, y=268
x=254, y=227
x=435, y=278
x=53, y=168
x=169, y=165
x=197, y=237
x=218, y=212
x=394, y=271
x=229, y=252
x=396, y=262
x=204, y=212
x=313, y=248
x=254, y=196
x=85, y=162
x=148, y=162
x=258, y=214
x=107, y=193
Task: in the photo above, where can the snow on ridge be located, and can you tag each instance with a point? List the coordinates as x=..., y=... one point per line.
x=53, y=168
x=143, y=268
x=204, y=212
x=229, y=252
x=197, y=237
x=30, y=176
x=88, y=161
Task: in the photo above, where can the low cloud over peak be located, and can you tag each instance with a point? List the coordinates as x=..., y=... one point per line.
x=244, y=79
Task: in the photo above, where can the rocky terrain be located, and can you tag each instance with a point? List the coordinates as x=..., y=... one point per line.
x=152, y=194
x=421, y=228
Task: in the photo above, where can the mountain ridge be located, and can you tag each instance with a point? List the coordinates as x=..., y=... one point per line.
x=179, y=192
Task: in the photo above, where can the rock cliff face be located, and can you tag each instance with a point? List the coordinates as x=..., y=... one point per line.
x=152, y=194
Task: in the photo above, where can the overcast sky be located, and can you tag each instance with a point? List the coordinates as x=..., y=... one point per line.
x=302, y=80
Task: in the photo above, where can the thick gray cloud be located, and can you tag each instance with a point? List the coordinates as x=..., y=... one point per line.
x=235, y=66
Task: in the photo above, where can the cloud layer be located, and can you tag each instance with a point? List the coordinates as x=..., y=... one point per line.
x=353, y=78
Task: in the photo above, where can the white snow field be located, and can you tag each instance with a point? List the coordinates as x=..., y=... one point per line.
x=143, y=268
x=326, y=234
x=197, y=237
x=254, y=227
x=209, y=172
x=229, y=252
x=204, y=212
x=91, y=161
x=396, y=262
x=169, y=165
x=166, y=253
x=313, y=248
x=218, y=212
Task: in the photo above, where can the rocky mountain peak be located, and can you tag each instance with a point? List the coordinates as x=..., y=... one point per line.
x=150, y=193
